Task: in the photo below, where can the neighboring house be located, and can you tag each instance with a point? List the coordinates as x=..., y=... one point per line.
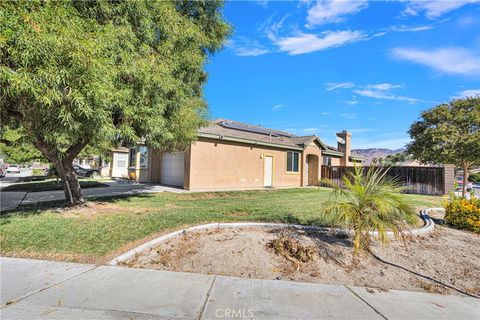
x=90, y=162
x=230, y=154
x=116, y=166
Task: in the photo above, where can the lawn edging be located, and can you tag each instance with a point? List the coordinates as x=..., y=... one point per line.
x=426, y=228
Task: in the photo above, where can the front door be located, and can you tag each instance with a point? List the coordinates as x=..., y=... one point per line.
x=268, y=171
x=312, y=170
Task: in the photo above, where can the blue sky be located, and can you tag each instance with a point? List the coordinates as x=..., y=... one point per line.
x=366, y=66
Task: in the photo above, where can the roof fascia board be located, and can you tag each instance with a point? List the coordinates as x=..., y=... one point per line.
x=320, y=142
x=332, y=153
x=357, y=158
x=247, y=141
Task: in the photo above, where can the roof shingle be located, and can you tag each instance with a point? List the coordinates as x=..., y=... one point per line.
x=235, y=129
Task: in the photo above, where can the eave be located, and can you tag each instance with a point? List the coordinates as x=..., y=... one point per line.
x=248, y=141
x=332, y=153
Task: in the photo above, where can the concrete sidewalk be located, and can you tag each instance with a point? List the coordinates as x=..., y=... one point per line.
x=11, y=200
x=35, y=289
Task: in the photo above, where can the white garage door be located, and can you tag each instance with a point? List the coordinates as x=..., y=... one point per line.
x=172, y=169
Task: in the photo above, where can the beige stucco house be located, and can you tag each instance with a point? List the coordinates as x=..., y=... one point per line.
x=234, y=155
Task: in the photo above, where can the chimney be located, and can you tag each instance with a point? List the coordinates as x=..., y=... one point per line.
x=344, y=145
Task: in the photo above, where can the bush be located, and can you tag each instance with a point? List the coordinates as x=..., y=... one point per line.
x=463, y=213
x=474, y=177
x=38, y=172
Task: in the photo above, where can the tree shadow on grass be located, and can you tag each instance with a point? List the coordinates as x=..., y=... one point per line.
x=37, y=208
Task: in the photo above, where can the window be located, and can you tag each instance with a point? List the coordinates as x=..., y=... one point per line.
x=327, y=161
x=143, y=156
x=133, y=157
x=292, y=161
x=121, y=160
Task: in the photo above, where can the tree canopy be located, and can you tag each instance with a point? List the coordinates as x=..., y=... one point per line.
x=78, y=73
x=448, y=134
x=16, y=148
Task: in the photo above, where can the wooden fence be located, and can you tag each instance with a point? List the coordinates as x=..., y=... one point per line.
x=418, y=180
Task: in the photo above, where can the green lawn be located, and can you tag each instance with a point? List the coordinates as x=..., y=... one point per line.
x=115, y=224
x=50, y=185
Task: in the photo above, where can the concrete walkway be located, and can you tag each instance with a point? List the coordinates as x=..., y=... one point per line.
x=35, y=289
x=11, y=200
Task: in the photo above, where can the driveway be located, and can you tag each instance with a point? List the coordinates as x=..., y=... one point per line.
x=36, y=289
x=10, y=200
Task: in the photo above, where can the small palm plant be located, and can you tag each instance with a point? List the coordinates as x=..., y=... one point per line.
x=369, y=201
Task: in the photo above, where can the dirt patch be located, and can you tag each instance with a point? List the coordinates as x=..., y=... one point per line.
x=446, y=255
x=205, y=195
x=93, y=209
x=66, y=257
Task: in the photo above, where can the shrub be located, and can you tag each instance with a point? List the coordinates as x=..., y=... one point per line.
x=369, y=201
x=38, y=172
x=474, y=177
x=463, y=213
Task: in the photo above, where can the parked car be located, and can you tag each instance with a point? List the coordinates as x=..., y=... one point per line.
x=83, y=172
x=13, y=168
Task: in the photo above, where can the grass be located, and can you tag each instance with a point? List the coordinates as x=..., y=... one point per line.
x=96, y=233
x=50, y=185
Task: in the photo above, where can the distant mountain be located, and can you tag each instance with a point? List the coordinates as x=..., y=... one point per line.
x=371, y=153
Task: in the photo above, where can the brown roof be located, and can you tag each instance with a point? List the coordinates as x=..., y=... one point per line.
x=239, y=130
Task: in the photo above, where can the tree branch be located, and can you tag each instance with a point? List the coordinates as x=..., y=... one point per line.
x=75, y=149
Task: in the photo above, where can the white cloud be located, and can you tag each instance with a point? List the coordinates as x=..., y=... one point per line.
x=332, y=11
x=447, y=60
x=435, y=8
x=351, y=102
x=406, y=28
x=468, y=93
x=383, y=94
x=376, y=91
x=467, y=21
x=262, y=3
x=272, y=30
x=245, y=47
x=306, y=43
x=325, y=113
x=338, y=85
x=383, y=86
x=310, y=130
x=277, y=107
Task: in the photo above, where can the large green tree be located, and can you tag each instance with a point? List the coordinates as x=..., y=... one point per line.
x=449, y=133
x=96, y=73
x=15, y=146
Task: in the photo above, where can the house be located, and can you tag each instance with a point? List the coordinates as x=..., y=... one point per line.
x=235, y=155
x=114, y=165
x=117, y=167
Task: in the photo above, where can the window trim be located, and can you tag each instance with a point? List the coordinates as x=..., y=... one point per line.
x=328, y=160
x=293, y=162
x=115, y=161
x=145, y=164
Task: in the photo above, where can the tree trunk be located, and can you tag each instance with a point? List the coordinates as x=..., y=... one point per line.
x=62, y=160
x=71, y=186
x=465, y=179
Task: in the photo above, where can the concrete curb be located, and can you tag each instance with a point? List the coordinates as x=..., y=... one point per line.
x=428, y=227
